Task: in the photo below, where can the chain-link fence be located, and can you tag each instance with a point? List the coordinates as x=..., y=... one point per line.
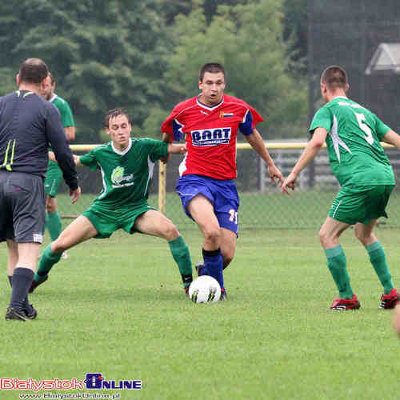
x=262, y=204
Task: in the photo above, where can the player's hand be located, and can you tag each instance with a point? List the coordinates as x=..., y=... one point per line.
x=52, y=156
x=75, y=194
x=182, y=148
x=275, y=175
x=289, y=183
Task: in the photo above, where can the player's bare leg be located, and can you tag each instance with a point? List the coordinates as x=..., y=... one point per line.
x=154, y=223
x=330, y=232
x=12, y=257
x=329, y=236
x=377, y=257
x=202, y=211
x=228, y=245
x=80, y=230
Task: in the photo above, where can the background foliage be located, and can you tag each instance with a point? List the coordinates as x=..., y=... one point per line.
x=145, y=56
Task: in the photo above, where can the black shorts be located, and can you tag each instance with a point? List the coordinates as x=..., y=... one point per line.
x=22, y=207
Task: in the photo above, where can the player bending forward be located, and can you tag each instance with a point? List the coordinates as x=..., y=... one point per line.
x=363, y=170
x=127, y=167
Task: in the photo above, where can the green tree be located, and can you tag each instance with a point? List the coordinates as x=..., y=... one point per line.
x=103, y=54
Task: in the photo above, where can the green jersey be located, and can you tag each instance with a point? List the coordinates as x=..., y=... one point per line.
x=126, y=174
x=355, y=153
x=64, y=109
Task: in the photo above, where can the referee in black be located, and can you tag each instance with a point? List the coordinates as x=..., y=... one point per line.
x=28, y=125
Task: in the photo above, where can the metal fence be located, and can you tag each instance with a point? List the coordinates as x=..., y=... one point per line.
x=262, y=204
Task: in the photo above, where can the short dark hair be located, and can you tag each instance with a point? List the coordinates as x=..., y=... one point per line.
x=210, y=67
x=33, y=70
x=334, y=77
x=114, y=113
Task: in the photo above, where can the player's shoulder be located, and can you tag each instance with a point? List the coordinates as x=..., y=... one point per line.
x=185, y=104
x=145, y=141
x=56, y=99
x=102, y=148
x=235, y=100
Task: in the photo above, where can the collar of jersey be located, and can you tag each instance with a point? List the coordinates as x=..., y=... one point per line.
x=208, y=107
x=121, y=153
x=53, y=98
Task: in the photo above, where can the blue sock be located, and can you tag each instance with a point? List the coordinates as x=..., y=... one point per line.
x=213, y=265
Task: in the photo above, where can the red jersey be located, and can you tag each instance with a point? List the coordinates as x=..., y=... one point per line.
x=211, y=134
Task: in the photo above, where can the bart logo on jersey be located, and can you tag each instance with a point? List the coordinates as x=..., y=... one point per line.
x=117, y=178
x=211, y=137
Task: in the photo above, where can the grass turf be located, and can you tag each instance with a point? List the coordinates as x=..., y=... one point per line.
x=116, y=307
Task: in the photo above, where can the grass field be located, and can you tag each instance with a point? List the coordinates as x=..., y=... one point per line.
x=116, y=307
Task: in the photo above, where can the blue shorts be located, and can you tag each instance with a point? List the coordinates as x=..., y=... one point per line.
x=222, y=195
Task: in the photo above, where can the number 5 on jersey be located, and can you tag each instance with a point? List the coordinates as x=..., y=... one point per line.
x=360, y=119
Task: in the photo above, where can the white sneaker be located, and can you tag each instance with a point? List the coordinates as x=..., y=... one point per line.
x=64, y=255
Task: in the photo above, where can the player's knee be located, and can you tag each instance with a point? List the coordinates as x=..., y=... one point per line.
x=51, y=207
x=170, y=231
x=324, y=236
x=212, y=235
x=59, y=245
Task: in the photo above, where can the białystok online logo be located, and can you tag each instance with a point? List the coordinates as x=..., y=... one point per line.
x=93, y=381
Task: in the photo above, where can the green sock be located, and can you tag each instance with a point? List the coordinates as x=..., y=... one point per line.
x=181, y=254
x=47, y=260
x=53, y=224
x=378, y=260
x=337, y=265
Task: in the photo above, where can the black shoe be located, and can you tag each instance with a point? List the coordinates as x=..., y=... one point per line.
x=223, y=295
x=35, y=284
x=199, y=267
x=29, y=311
x=13, y=313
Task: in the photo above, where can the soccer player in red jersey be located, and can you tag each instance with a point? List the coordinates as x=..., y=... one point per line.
x=209, y=123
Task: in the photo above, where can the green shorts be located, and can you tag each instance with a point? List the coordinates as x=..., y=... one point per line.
x=53, y=179
x=107, y=221
x=360, y=203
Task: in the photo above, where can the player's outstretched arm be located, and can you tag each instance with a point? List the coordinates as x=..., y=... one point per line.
x=177, y=148
x=52, y=157
x=393, y=138
x=256, y=142
x=309, y=153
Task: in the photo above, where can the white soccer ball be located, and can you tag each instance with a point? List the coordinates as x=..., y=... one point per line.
x=205, y=289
